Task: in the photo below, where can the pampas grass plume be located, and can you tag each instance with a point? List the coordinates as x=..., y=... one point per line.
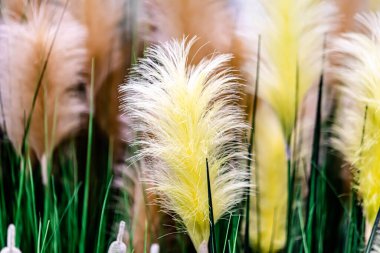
x=211, y=21
x=358, y=118
x=292, y=34
x=61, y=104
x=184, y=114
x=272, y=182
x=109, y=46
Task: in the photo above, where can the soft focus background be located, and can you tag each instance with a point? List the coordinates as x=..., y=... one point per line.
x=67, y=173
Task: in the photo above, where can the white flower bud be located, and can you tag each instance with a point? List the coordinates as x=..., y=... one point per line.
x=11, y=247
x=118, y=246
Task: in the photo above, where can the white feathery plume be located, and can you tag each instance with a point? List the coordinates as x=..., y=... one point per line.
x=184, y=114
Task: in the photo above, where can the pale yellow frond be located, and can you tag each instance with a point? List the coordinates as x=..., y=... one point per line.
x=272, y=182
x=358, y=116
x=292, y=35
x=184, y=114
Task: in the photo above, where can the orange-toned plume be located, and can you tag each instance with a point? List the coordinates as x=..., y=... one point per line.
x=209, y=20
x=32, y=53
x=107, y=45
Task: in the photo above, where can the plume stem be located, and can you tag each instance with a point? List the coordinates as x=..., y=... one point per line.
x=88, y=162
x=372, y=241
x=212, y=224
x=252, y=147
x=313, y=180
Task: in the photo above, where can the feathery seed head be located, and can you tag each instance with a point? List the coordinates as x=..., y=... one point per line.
x=61, y=105
x=272, y=177
x=184, y=114
x=109, y=47
x=358, y=117
x=209, y=20
x=104, y=38
x=292, y=34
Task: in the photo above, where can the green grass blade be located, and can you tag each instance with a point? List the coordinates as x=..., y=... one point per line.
x=102, y=217
x=39, y=83
x=304, y=238
x=45, y=237
x=226, y=238
x=82, y=247
x=316, y=189
x=211, y=214
x=252, y=148
x=63, y=215
x=234, y=246
x=374, y=239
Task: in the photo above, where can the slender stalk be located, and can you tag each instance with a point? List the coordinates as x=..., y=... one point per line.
x=88, y=164
x=212, y=224
x=292, y=161
x=226, y=238
x=39, y=83
x=252, y=147
x=313, y=181
x=373, y=239
x=102, y=216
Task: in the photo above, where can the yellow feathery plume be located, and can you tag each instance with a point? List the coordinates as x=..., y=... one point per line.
x=184, y=114
x=272, y=181
x=292, y=34
x=358, y=117
x=61, y=103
